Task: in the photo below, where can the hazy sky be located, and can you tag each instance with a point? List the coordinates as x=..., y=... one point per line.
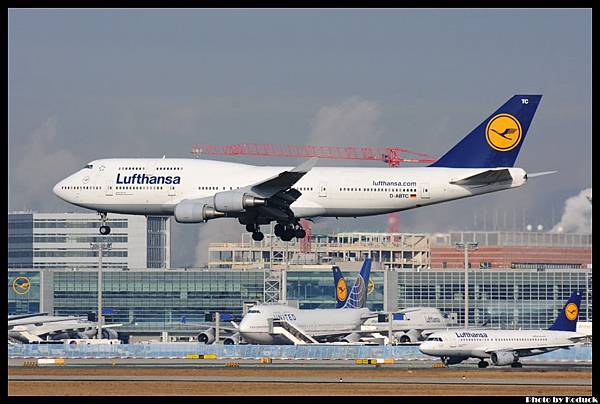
x=87, y=84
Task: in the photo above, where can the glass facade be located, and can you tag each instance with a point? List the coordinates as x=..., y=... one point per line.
x=23, y=292
x=62, y=240
x=315, y=289
x=158, y=241
x=157, y=299
x=500, y=299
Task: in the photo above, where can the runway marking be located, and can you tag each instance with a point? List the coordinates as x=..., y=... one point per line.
x=241, y=379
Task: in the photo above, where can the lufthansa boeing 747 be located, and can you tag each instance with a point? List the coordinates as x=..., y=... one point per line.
x=195, y=191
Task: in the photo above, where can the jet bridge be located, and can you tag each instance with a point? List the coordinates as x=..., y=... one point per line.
x=291, y=332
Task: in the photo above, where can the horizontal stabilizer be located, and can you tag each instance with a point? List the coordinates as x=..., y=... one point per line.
x=485, y=178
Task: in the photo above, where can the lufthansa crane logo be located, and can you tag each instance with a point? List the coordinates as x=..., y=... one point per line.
x=503, y=132
x=341, y=290
x=371, y=287
x=21, y=285
x=571, y=311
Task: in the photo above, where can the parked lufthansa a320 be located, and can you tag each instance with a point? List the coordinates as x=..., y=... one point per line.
x=195, y=191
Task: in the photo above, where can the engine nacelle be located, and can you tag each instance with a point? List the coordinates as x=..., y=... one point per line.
x=233, y=340
x=109, y=333
x=504, y=358
x=208, y=336
x=407, y=337
x=232, y=201
x=194, y=212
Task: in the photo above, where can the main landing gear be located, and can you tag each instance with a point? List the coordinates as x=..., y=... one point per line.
x=482, y=364
x=257, y=235
x=516, y=365
x=285, y=231
x=104, y=229
x=288, y=231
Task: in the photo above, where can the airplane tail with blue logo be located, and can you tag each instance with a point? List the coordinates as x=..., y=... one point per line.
x=497, y=140
x=567, y=318
x=356, y=298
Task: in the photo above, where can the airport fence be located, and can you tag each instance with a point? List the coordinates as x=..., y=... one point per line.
x=320, y=351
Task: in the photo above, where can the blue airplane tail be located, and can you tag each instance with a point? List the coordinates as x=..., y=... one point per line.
x=497, y=140
x=567, y=318
x=356, y=297
x=341, y=289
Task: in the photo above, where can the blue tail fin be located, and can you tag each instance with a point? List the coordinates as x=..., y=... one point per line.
x=497, y=140
x=357, y=297
x=341, y=289
x=567, y=318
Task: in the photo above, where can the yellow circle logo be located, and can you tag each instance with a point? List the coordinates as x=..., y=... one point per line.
x=341, y=290
x=571, y=311
x=21, y=285
x=503, y=132
x=371, y=287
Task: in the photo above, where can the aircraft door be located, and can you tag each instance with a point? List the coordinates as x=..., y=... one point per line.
x=172, y=190
x=425, y=191
x=108, y=188
x=322, y=189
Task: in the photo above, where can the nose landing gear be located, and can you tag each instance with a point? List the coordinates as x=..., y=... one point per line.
x=104, y=229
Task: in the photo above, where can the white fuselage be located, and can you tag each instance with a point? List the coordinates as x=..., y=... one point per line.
x=414, y=319
x=471, y=343
x=156, y=186
x=254, y=327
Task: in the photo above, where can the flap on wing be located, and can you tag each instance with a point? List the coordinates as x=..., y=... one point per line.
x=284, y=180
x=485, y=178
x=529, y=348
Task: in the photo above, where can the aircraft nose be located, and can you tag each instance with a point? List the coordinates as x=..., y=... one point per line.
x=426, y=348
x=58, y=190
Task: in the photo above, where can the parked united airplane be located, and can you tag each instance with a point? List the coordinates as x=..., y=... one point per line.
x=282, y=324
x=505, y=347
x=194, y=191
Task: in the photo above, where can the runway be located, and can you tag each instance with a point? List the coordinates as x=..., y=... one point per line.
x=273, y=380
x=238, y=379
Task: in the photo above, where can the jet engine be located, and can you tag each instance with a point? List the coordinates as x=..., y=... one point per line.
x=504, y=358
x=233, y=201
x=232, y=340
x=406, y=337
x=194, y=212
x=109, y=333
x=208, y=336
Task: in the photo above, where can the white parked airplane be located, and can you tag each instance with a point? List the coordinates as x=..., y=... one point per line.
x=282, y=324
x=194, y=191
x=38, y=327
x=505, y=347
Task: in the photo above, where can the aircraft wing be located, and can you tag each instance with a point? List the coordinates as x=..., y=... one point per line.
x=485, y=178
x=279, y=192
x=527, y=350
x=283, y=181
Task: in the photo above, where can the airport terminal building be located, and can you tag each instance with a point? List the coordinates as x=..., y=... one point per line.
x=62, y=240
x=516, y=280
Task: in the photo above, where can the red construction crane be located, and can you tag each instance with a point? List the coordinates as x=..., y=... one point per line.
x=389, y=155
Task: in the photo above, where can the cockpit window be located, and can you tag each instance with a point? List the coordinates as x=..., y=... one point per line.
x=254, y=311
x=434, y=339
x=89, y=166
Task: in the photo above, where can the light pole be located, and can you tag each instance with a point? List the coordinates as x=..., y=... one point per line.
x=466, y=246
x=100, y=247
